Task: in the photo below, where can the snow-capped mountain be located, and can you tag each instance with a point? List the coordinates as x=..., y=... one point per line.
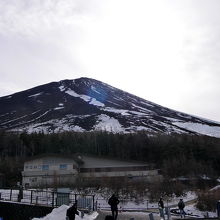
x=86, y=104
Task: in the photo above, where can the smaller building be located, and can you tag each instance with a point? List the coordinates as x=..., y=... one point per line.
x=53, y=170
x=49, y=171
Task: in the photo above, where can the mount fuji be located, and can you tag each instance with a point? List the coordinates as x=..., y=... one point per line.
x=86, y=104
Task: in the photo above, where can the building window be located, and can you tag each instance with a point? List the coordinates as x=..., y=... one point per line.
x=45, y=167
x=34, y=179
x=63, y=166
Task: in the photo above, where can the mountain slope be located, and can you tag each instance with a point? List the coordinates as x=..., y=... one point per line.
x=86, y=104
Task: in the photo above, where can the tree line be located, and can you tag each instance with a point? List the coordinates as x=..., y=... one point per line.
x=176, y=155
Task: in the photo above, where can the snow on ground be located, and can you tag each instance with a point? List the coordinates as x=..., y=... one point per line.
x=192, y=210
x=60, y=214
x=107, y=123
x=200, y=128
x=125, y=205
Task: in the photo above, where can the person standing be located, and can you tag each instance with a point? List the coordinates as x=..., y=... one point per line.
x=218, y=209
x=181, y=206
x=161, y=208
x=113, y=202
x=71, y=212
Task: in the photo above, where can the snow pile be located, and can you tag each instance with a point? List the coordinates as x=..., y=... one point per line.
x=60, y=214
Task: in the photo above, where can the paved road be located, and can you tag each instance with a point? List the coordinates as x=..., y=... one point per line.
x=127, y=215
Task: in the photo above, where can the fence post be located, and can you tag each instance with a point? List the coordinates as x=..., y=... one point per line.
x=151, y=217
x=31, y=196
x=10, y=194
x=218, y=209
x=93, y=203
x=168, y=213
x=96, y=205
x=52, y=199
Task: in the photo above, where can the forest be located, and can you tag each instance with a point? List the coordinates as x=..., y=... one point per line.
x=175, y=155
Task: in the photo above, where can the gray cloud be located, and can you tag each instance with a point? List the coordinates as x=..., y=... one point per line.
x=50, y=40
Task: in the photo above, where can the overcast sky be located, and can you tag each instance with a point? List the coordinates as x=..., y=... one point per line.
x=166, y=51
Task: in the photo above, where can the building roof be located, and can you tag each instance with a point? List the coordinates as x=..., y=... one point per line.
x=85, y=161
x=95, y=162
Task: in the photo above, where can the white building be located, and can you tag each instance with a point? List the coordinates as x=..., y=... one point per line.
x=60, y=170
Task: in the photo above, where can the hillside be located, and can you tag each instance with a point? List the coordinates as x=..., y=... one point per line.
x=86, y=104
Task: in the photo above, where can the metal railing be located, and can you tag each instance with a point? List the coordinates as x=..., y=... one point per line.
x=48, y=198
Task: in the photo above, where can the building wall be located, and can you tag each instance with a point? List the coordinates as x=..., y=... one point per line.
x=57, y=170
x=49, y=171
x=148, y=175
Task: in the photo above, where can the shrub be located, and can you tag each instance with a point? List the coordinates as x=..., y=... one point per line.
x=207, y=201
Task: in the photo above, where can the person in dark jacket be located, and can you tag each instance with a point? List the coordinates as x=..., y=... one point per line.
x=161, y=208
x=181, y=206
x=72, y=211
x=113, y=202
x=160, y=203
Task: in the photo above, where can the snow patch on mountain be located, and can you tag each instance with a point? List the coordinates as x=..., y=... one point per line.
x=140, y=128
x=95, y=90
x=200, y=128
x=58, y=108
x=62, y=88
x=35, y=95
x=16, y=119
x=95, y=102
x=115, y=110
x=106, y=123
x=86, y=98
x=42, y=114
x=141, y=108
x=56, y=126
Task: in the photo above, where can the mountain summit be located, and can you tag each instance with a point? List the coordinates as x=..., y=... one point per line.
x=86, y=104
